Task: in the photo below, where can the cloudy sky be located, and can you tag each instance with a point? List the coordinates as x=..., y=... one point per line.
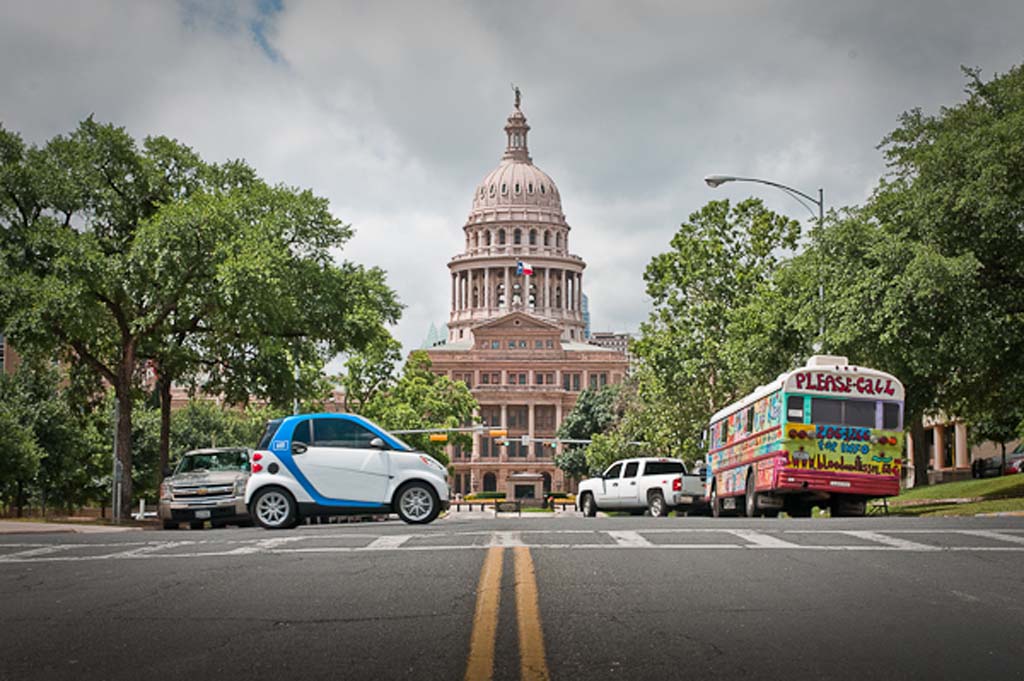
x=394, y=111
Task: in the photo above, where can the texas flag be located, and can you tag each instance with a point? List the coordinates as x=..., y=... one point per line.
x=524, y=268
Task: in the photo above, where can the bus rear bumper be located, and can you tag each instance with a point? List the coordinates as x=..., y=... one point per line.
x=797, y=480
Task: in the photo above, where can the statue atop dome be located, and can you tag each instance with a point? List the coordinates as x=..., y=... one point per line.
x=519, y=95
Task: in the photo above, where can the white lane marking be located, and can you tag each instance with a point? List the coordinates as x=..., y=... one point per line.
x=894, y=542
x=506, y=539
x=42, y=551
x=388, y=541
x=629, y=538
x=994, y=534
x=763, y=541
x=147, y=549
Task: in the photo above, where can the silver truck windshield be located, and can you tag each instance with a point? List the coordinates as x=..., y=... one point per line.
x=237, y=460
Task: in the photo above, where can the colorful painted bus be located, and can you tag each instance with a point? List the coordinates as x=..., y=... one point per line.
x=827, y=434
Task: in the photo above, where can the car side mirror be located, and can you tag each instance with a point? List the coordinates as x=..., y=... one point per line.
x=378, y=443
x=299, y=448
x=168, y=472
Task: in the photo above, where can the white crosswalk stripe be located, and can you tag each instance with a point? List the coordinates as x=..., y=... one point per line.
x=669, y=539
x=629, y=538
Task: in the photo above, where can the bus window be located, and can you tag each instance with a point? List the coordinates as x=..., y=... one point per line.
x=826, y=411
x=859, y=413
x=890, y=416
x=750, y=420
x=795, y=409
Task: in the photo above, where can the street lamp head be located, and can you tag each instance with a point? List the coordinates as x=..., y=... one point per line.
x=716, y=180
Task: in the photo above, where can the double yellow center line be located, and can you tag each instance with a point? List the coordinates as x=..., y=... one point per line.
x=532, y=663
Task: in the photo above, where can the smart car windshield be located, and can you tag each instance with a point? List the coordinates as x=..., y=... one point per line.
x=233, y=460
x=402, y=445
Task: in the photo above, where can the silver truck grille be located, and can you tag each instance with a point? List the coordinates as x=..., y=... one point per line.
x=203, y=492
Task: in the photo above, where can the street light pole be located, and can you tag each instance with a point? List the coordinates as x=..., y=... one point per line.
x=714, y=181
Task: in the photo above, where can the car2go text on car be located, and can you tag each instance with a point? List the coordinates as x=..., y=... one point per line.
x=340, y=464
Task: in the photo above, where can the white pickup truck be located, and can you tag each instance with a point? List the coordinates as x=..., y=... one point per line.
x=657, y=485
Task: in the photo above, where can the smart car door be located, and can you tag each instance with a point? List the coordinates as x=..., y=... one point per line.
x=340, y=463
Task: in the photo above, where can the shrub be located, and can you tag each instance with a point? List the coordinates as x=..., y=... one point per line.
x=485, y=495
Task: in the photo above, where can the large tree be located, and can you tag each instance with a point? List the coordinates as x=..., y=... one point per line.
x=112, y=253
x=718, y=263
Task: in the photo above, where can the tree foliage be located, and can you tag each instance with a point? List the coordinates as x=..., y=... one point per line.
x=113, y=253
x=421, y=399
x=58, y=452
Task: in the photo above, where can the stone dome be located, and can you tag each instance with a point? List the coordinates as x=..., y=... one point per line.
x=516, y=181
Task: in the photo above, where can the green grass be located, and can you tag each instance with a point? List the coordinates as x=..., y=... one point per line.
x=538, y=510
x=987, y=488
x=973, y=508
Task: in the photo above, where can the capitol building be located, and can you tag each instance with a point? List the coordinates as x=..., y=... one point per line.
x=516, y=326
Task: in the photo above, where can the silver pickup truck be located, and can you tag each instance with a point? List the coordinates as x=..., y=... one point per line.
x=655, y=485
x=206, y=485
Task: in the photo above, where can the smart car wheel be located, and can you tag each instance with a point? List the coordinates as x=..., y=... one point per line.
x=274, y=509
x=416, y=503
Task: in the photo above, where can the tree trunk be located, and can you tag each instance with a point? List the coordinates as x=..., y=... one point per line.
x=917, y=436
x=164, y=386
x=19, y=499
x=1002, y=469
x=123, y=395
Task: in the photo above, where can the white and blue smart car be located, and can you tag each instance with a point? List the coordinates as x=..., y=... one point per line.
x=340, y=464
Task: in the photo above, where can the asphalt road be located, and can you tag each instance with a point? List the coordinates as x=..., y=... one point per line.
x=537, y=597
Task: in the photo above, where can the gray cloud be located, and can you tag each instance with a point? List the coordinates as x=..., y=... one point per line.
x=394, y=110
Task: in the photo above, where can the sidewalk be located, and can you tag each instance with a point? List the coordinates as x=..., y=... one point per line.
x=36, y=527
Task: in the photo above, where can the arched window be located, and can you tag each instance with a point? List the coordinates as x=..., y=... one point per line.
x=547, y=238
x=504, y=189
x=542, y=189
x=492, y=190
x=476, y=297
x=517, y=187
x=476, y=240
x=487, y=238
x=533, y=237
x=517, y=236
x=558, y=240
x=529, y=187
x=501, y=237
x=490, y=482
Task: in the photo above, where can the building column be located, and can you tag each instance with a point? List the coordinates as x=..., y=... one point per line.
x=963, y=453
x=579, y=293
x=564, y=295
x=547, y=293
x=487, y=288
x=938, y=452
x=453, y=292
x=508, y=291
